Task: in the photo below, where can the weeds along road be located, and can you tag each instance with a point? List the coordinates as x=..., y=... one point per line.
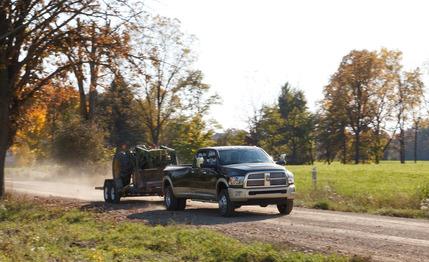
x=378, y=237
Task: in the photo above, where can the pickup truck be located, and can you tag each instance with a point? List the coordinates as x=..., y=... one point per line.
x=232, y=176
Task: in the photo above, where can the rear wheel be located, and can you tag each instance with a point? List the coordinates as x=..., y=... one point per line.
x=172, y=202
x=285, y=208
x=226, y=206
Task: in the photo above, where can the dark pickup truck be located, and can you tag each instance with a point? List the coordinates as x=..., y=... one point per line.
x=232, y=176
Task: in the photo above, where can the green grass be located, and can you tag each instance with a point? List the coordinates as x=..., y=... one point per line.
x=388, y=188
x=32, y=232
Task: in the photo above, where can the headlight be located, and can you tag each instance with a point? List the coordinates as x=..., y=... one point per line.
x=236, y=180
x=290, y=179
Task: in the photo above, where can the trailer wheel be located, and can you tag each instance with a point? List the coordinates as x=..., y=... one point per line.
x=285, y=208
x=106, y=190
x=115, y=194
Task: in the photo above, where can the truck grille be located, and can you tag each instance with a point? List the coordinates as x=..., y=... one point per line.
x=266, y=179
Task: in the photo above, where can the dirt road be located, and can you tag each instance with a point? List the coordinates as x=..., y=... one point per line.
x=378, y=237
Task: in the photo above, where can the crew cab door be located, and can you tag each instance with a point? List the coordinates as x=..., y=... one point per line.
x=208, y=175
x=199, y=178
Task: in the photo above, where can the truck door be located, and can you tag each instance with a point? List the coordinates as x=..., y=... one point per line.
x=207, y=176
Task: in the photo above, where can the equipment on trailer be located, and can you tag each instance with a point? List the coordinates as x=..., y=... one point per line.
x=137, y=172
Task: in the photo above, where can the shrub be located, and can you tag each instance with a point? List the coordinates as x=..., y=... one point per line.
x=321, y=205
x=77, y=142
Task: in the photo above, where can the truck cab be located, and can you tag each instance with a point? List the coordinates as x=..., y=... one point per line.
x=232, y=176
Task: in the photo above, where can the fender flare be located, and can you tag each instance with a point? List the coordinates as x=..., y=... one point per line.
x=221, y=181
x=167, y=178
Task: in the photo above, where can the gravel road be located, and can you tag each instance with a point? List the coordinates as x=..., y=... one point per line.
x=379, y=238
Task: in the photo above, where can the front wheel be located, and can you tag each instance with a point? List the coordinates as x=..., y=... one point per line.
x=285, y=208
x=226, y=206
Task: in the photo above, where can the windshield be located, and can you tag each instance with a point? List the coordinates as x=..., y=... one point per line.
x=243, y=155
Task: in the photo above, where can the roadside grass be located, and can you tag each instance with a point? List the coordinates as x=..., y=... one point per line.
x=30, y=231
x=387, y=189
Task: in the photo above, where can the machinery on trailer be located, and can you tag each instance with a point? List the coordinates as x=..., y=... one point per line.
x=137, y=172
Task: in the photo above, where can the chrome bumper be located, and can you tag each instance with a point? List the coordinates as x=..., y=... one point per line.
x=244, y=194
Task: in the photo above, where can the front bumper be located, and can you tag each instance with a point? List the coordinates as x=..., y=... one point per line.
x=253, y=194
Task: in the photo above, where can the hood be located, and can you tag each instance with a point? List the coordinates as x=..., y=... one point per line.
x=242, y=169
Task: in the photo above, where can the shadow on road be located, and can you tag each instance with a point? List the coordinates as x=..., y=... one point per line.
x=197, y=216
x=153, y=212
x=123, y=205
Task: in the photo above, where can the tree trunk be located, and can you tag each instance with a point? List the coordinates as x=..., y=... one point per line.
x=416, y=128
x=402, y=146
x=4, y=120
x=377, y=146
x=92, y=90
x=82, y=95
x=357, y=147
x=344, y=146
x=2, y=171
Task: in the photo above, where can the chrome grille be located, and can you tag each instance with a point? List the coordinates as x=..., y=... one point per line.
x=266, y=179
x=278, y=182
x=256, y=176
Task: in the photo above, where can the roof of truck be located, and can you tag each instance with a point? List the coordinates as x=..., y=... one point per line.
x=227, y=147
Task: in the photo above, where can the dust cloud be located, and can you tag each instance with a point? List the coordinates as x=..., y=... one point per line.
x=52, y=179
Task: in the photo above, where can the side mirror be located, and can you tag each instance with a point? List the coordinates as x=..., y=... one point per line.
x=199, y=162
x=282, y=160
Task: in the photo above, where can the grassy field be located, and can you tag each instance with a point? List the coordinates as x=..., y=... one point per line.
x=388, y=188
x=30, y=231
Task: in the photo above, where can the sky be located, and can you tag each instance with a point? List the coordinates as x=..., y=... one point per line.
x=248, y=49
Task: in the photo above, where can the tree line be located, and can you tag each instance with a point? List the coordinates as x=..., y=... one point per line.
x=78, y=78
x=370, y=108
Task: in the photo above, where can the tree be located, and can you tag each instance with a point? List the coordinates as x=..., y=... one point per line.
x=355, y=80
x=94, y=51
x=409, y=91
x=117, y=113
x=78, y=142
x=29, y=31
x=187, y=135
x=265, y=130
x=39, y=122
x=384, y=100
x=333, y=120
x=232, y=137
x=298, y=125
x=166, y=84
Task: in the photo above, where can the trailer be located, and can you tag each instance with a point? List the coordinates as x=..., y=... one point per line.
x=137, y=172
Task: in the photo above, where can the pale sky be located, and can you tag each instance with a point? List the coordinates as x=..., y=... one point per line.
x=248, y=49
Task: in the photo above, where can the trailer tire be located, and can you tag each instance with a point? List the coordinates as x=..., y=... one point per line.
x=115, y=194
x=106, y=190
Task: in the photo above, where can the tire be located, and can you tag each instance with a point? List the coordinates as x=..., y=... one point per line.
x=285, y=208
x=226, y=206
x=106, y=191
x=171, y=202
x=115, y=194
